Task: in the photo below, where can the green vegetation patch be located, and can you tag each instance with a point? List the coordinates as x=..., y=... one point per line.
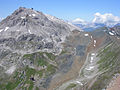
x=51, y=56
x=15, y=81
x=41, y=62
x=24, y=78
x=63, y=52
x=38, y=58
x=72, y=85
x=108, y=57
x=51, y=69
x=29, y=72
x=110, y=63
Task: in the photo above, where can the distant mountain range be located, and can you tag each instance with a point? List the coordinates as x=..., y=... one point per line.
x=99, y=20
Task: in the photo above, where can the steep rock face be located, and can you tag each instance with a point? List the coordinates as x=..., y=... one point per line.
x=30, y=43
x=33, y=22
x=29, y=30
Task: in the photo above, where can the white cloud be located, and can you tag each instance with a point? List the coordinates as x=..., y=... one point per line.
x=79, y=21
x=107, y=19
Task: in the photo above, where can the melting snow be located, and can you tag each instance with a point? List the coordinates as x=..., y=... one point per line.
x=90, y=68
x=1, y=30
x=91, y=58
x=22, y=17
x=29, y=31
x=93, y=54
x=33, y=15
x=6, y=28
x=91, y=37
x=11, y=70
x=79, y=82
x=95, y=43
x=86, y=34
x=111, y=33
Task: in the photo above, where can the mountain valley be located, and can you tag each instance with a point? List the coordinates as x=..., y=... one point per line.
x=41, y=52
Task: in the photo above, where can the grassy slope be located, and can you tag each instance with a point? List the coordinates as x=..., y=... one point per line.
x=109, y=62
x=21, y=78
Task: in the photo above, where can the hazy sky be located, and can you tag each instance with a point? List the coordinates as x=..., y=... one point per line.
x=64, y=9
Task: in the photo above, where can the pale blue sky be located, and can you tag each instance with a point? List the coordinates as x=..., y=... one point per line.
x=64, y=9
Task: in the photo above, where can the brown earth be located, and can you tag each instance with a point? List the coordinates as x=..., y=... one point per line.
x=73, y=73
x=115, y=84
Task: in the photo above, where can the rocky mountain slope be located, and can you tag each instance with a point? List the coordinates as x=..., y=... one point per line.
x=30, y=42
x=41, y=52
x=101, y=66
x=39, y=30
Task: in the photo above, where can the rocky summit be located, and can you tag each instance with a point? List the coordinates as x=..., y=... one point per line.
x=35, y=28
x=41, y=52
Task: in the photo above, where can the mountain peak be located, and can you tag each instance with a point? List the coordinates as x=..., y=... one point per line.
x=29, y=21
x=20, y=10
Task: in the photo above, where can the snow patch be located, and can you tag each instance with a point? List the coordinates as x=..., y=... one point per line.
x=30, y=15
x=111, y=33
x=22, y=17
x=95, y=43
x=33, y=15
x=1, y=30
x=91, y=37
x=90, y=68
x=93, y=54
x=11, y=70
x=86, y=34
x=6, y=28
x=91, y=58
x=79, y=82
x=29, y=31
